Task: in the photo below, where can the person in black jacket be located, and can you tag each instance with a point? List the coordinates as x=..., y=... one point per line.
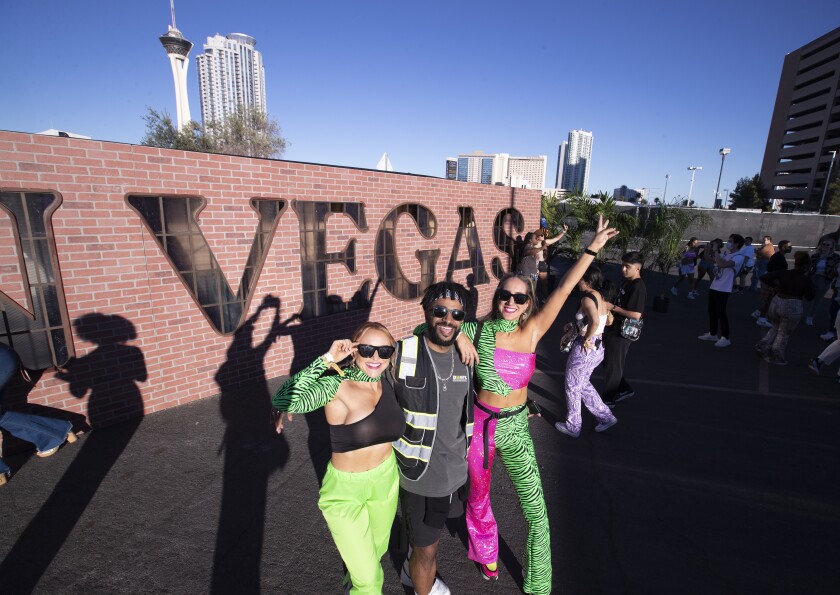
x=435, y=390
x=630, y=303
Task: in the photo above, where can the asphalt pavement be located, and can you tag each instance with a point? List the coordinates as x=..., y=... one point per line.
x=720, y=477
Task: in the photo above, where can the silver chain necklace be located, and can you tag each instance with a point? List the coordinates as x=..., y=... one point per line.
x=451, y=370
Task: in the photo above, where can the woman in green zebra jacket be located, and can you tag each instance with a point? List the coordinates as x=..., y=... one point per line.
x=359, y=493
x=506, y=346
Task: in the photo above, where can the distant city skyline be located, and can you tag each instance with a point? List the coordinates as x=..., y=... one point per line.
x=502, y=169
x=351, y=81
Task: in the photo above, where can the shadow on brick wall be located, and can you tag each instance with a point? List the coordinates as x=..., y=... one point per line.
x=108, y=376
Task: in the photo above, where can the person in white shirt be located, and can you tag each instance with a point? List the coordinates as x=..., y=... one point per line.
x=727, y=266
x=749, y=265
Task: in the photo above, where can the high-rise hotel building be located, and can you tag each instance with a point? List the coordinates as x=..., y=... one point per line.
x=573, y=161
x=502, y=169
x=805, y=127
x=230, y=74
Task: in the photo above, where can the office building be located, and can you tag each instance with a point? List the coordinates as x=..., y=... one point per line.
x=561, y=161
x=805, y=127
x=178, y=50
x=502, y=169
x=451, y=168
x=574, y=161
x=630, y=194
x=230, y=75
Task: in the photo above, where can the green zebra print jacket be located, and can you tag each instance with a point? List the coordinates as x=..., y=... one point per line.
x=308, y=390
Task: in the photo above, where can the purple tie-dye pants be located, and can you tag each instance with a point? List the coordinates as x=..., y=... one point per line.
x=579, y=387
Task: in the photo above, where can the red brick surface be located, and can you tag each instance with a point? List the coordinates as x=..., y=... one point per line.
x=111, y=265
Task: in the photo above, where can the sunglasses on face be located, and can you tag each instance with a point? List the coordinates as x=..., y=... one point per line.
x=385, y=351
x=442, y=311
x=503, y=295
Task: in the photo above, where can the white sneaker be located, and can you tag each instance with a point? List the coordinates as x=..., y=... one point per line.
x=827, y=336
x=723, y=342
x=756, y=314
x=692, y=295
x=708, y=337
x=674, y=291
x=809, y=321
x=438, y=587
x=764, y=322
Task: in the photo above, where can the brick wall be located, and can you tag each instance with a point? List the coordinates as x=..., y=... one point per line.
x=141, y=342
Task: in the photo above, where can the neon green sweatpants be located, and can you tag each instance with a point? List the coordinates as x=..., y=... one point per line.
x=359, y=509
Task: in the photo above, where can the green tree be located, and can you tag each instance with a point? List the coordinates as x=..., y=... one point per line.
x=581, y=213
x=162, y=132
x=749, y=193
x=249, y=132
x=665, y=233
x=832, y=197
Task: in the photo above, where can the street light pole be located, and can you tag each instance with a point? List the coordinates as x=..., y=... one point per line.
x=827, y=178
x=723, y=153
x=665, y=193
x=693, y=169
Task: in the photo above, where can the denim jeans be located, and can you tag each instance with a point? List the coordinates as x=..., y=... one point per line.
x=44, y=432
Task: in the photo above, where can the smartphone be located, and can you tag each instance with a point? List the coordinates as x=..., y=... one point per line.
x=533, y=408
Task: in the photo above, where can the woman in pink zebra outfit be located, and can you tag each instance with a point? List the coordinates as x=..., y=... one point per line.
x=586, y=353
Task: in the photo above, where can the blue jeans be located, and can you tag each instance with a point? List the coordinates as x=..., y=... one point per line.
x=44, y=432
x=760, y=269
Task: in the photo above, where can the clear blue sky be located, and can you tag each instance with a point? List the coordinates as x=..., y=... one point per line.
x=662, y=85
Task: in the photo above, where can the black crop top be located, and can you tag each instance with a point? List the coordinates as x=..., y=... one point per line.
x=385, y=424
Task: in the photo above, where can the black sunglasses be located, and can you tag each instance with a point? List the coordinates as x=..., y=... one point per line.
x=385, y=351
x=503, y=295
x=442, y=311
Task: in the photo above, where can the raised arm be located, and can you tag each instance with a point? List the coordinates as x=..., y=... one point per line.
x=542, y=320
x=558, y=238
x=314, y=386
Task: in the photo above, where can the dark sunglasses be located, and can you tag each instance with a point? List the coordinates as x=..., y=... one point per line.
x=385, y=351
x=503, y=295
x=442, y=311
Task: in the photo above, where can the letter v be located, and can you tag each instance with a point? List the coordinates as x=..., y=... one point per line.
x=172, y=220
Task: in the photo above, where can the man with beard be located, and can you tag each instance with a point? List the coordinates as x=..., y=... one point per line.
x=435, y=390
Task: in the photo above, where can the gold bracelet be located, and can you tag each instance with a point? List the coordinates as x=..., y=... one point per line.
x=333, y=365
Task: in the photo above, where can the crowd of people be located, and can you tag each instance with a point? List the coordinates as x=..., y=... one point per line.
x=786, y=293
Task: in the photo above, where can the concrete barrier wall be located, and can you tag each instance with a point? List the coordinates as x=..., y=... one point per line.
x=799, y=228
x=144, y=278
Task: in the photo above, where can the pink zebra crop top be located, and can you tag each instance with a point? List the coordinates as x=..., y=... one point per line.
x=513, y=367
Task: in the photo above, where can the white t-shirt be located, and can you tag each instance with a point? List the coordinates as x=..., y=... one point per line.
x=725, y=277
x=749, y=251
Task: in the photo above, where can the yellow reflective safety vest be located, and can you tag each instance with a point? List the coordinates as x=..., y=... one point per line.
x=417, y=393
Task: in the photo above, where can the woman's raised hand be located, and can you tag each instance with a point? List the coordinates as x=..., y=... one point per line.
x=342, y=349
x=603, y=233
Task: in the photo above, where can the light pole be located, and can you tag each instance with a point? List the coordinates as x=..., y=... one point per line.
x=693, y=169
x=723, y=153
x=665, y=193
x=827, y=178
